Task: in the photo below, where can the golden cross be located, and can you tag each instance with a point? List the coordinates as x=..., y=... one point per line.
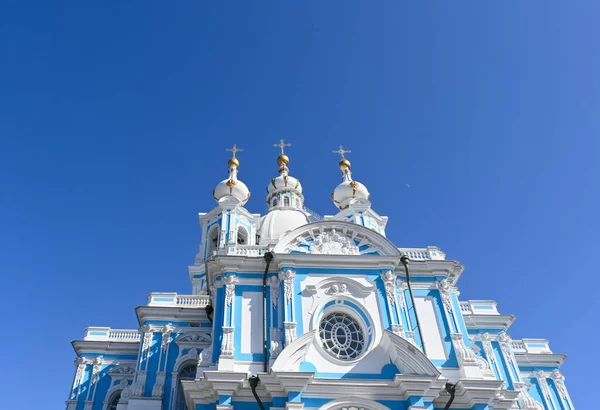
x=234, y=149
x=282, y=145
x=342, y=151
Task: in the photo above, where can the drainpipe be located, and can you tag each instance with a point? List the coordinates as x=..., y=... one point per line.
x=268, y=258
x=253, y=380
x=451, y=388
x=404, y=260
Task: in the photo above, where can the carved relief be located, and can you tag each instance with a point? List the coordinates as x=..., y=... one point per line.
x=337, y=288
x=230, y=282
x=398, y=330
x=166, y=335
x=205, y=357
x=159, y=385
x=526, y=401
x=505, y=346
x=288, y=284
x=333, y=243
x=290, y=332
x=444, y=288
x=227, y=343
x=486, y=340
x=390, y=291
x=275, y=342
x=541, y=379
x=466, y=357
x=400, y=287
x=559, y=382
x=96, y=369
x=137, y=390
x=275, y=290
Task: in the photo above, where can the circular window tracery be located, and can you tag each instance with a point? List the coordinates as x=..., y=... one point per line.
x=342, y=336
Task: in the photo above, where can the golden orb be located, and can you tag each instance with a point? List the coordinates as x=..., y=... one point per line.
x=233, y=161
x=344, y=164
x=283, y=159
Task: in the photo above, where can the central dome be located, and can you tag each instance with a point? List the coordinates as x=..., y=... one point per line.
x=278, y=222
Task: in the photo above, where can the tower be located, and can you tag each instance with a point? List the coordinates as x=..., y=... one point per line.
x=290, y=313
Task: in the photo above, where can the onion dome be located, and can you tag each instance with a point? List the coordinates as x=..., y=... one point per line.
x=349, y=191
x=284, y=190
x=232, y=189
x=285, y=202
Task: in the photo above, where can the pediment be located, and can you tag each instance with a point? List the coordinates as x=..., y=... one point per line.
x=335, y=238
x=193, y=339
x=404, y=355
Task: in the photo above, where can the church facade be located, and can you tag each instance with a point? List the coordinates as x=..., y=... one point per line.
x=292, y=311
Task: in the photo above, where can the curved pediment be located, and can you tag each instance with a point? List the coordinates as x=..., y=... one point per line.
x=407, y=358
x=335, y=238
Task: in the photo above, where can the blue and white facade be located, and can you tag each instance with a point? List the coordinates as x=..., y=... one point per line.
x=320, y=310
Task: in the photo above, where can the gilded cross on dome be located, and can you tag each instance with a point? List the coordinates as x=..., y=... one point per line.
x=342, y=151
x=282, y=145
x=234, y=149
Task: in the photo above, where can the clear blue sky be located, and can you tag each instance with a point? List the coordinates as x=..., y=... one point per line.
x=114, y=119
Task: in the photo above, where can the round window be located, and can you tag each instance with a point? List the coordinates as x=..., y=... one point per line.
x=342, y=336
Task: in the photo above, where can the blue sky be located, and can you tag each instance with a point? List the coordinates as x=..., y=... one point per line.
x=114, y=118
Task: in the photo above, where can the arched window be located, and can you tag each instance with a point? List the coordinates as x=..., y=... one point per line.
x=114, y=401
x=275, y=202
x=187, y=372
x=286, y=201
x=213, y=241
x=242, y=236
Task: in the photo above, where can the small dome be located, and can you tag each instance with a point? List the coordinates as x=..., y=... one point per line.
x=278, y=222
x=232, y=188
x=285, y=182
x=349, y=190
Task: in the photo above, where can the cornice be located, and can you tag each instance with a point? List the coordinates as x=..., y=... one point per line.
x=82, y=347
x=175, y=314
x=540, y=359
x=478, y=321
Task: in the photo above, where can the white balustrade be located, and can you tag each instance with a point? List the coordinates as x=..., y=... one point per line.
x=465, y=308
x=175, y=300
x=113, y=335
x=422, y=254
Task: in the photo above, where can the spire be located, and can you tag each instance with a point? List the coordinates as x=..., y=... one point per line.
x=283, y=159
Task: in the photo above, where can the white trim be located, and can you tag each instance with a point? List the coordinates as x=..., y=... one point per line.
x=353, y=402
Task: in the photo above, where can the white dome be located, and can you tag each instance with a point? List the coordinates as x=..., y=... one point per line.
x=349, y=190
x=284, y=182
x=232, y=188
x=278, y=222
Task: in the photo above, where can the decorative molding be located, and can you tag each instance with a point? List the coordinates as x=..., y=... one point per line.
x=122, y=371
x=331, y=242
x=525, y=400
x=159, y=385
x=137, y=389
x=337, y=289
x=559, y=382
x=444, y=288
x=227, y=348
x=193, y=338
x=388, y=281
x=541, y=379
x=290, y=332
x=275, y=290
x=205, y=357
x=275, y=342
x=230, y=282
x=398, y=330
x=400, y=287
x=166, y=336
x=465, y=356
x=506, y=346
x=410, y=336
x=98, y=361
x=288, y=284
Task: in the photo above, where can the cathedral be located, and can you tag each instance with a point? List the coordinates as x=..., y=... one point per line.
x=293, y=311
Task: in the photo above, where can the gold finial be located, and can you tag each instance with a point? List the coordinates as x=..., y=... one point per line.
x=282, y=158
x=344, y=163
x=233, y=160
